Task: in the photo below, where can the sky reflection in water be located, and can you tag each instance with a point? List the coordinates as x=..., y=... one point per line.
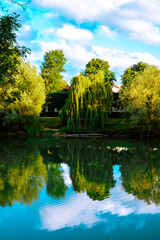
x=79, y=209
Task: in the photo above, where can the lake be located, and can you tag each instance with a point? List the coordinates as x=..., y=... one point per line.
x=79, y=188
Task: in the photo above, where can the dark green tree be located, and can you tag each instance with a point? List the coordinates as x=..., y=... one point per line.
x=52, y=67
x=131, y=72
x=96, y=65
x=10, y=51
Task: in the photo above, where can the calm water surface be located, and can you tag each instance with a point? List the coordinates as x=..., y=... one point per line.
x=79, y=189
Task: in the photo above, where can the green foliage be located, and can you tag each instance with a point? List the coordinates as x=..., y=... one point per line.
x=50, y=132
x=26, y=166
x=10, y=51
x=22, y=91
x=27, y=95
x=55, y=100
x=21, y=102
x=141, y=173
x=90, y=99
x=22, y=173
x=119, y=126
x=56, y=187
x=95, y=65
x=50, y=122
x=131, y=72
x=90, y=166
x=13, y=122
x=142, y=100
x=80, y=130
x=52, y=67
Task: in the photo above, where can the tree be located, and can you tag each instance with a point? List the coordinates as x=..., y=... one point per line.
x=90, y=99
x=142, y=100
x=96, y=65
x=52, y=67
x=10, y=51
x=131, y=72
x=27, y=95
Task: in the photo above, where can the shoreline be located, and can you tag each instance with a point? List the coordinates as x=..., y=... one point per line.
x=78, y=135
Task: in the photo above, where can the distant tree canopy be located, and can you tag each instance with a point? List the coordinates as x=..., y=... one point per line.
x=142, y=100
x=131, y=72
x=10, y=51
x=96, y=65
x=90, y=99
x=51, y=70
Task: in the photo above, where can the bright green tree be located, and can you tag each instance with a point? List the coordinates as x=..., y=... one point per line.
x=10, y=51
x=52, y=69
x=90, y=99
x=131, y=72
x=95, y=65
x=142, y=100
x=27, y=95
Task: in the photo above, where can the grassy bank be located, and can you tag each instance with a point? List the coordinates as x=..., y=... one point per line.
x=50, y=122
x=114, y=126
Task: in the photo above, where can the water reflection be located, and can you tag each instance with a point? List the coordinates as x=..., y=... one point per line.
x=141, y=174
x=27, y=166
x=56, y=187
x=22, y=172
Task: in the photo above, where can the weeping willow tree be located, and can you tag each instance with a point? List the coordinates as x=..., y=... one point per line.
x=89, y=101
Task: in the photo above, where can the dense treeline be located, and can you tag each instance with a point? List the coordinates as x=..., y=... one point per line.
x=90, y=98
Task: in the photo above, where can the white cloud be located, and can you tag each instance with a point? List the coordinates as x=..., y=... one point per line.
x=139, y=18
x=50, y=31
x=107, y=31
x=76, y=54
x=84, y=9
x=140, y=30
x=26, y=28
x=121, y=59
x=151, y=36
x=70, y=32
x=66, y=176
x=148, y=10
x=35, y=56
x=26, y=33
x=51, y=15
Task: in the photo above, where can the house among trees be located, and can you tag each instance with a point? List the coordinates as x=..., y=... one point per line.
x=56, y=100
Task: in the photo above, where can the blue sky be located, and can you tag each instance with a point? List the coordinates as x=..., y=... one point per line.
x=122, y=32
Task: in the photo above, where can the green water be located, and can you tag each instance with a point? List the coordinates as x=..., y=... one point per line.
x=59, y=188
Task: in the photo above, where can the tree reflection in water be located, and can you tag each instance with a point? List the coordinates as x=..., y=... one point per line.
x=141, y=174
x=22, y=172
x=28, y=166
